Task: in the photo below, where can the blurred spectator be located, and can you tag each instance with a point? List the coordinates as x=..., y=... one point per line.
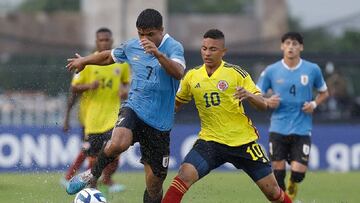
x=339, y=102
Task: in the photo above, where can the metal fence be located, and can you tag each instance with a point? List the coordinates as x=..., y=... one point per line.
x=34, y=94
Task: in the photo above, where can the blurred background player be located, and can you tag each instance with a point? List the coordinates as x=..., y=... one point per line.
x=105, y=87
x=157, y=63
x=80, y=158
x=227, y=134
x=292, y=80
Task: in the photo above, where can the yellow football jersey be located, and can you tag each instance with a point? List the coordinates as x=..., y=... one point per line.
x=223, y=119
x=82, y=101
x=103, y=103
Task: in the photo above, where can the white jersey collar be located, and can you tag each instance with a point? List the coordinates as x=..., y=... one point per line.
x=164, y=39
x=292, y=69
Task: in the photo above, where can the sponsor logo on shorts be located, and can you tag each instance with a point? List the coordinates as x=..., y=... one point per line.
x=306, y=149
x=165, y=161
x=119, y=121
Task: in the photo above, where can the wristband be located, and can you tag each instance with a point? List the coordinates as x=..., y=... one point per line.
x=313, y=104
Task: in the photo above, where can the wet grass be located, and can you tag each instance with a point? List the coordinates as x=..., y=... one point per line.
x=318, y=187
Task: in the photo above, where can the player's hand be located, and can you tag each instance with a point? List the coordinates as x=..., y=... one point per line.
x=94, y=85
x=241, y=93
x=123, y=94
x=149, y=47
x=273, y=101
x=308, y=108
x=75, y=64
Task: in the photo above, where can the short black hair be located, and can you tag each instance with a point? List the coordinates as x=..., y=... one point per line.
x=104, y=29
x=214, y=34
x=149, y=18
x=293, y=36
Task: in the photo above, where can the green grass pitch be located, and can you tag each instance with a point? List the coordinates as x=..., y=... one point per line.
x=217, y=187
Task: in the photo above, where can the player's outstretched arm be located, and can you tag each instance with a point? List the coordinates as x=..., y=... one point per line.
x=273, y=101
x=256, y=100
x=70, y=103
x=78, y=63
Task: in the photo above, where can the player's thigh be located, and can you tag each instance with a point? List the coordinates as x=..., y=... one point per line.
x=279, y=147
x=154, y=147
x=300, y=152
x=251, y=158
x=204, y=157
x=97, y=141
x=121, y=139
x=122, y=136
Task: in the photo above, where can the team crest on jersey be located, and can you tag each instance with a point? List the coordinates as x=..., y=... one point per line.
x=222, y=85
x=117, y=71
x=165, y=161
x=304, y=79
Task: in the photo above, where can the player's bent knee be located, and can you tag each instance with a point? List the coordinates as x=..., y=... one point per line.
x=188, y=173
x=297, y=177
x=275, y=195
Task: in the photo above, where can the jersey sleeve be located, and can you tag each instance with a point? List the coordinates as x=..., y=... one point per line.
x=264, y=83
x=118, y=54
x=319, y=82
x=250, y=86
x=177, y=54
x=184, y=94
x=125, y=76
x=80, y=78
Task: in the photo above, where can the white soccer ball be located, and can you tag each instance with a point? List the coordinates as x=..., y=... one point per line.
x=89, y=195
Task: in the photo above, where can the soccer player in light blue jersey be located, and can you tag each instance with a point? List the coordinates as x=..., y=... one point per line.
x=292, y=81
x=157, y=64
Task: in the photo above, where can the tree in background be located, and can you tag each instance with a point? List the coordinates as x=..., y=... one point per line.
x=208, y=6
x=50, y=5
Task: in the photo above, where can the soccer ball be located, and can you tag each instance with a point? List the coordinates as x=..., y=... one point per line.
x=89, y=195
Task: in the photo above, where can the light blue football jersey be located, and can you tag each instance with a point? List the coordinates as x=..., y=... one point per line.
x=152, y=90
x=295, y=87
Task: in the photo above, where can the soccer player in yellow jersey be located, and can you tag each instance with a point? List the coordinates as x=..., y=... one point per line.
x=227, y=134
x=104, y=88
x=80, y=158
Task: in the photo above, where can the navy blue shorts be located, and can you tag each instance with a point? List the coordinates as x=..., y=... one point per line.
x=208, y=155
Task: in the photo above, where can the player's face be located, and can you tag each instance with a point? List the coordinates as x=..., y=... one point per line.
x=291, y=48
x=104, y=41
x=212, y=52
x=152, y=34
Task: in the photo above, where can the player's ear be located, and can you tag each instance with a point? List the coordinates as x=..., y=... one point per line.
x=282, y=46
x=224, y=51
x=301, y=47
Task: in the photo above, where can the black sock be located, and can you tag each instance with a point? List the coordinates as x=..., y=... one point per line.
x=147, y=198
x=101, y=163
x=280, y=176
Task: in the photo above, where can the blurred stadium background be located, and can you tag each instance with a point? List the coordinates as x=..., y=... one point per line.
x=37, y=36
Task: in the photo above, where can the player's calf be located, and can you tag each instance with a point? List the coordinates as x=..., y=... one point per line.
x=280, y=178
x=280, y=197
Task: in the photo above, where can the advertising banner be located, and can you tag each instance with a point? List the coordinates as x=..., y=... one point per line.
x=334, y=147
